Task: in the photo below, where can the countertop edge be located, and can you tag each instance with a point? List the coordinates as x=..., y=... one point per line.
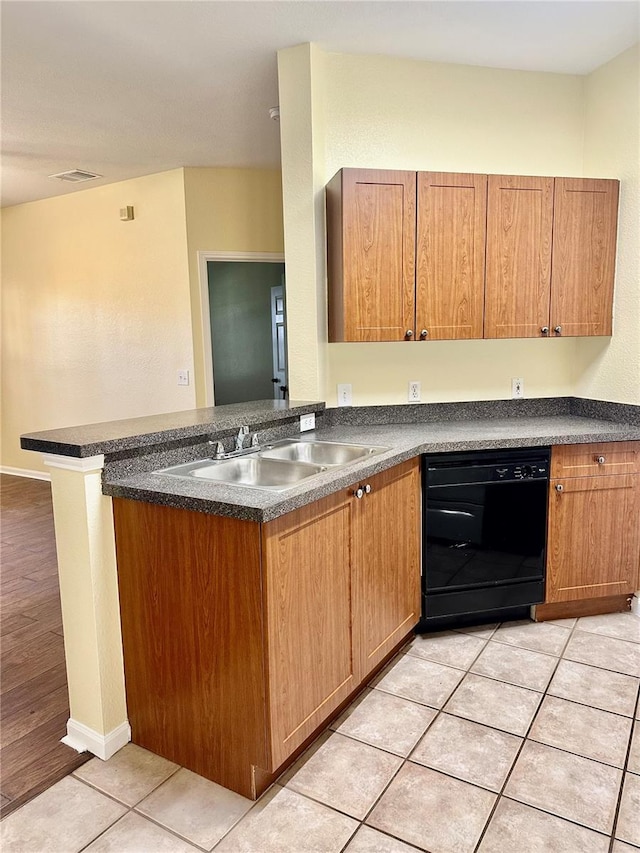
x=60, y=442
x=161, y=489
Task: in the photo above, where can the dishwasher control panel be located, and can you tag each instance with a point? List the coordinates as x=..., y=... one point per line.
x=487, y=467
x=521, y=472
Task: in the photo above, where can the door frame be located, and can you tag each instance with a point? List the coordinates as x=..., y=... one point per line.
x=203, y=275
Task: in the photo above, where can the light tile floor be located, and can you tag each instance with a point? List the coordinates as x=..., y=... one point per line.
x=513, y=737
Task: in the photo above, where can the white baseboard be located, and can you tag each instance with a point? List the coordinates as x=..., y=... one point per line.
x=635, y=604
x=25, y=472
x=83, y=739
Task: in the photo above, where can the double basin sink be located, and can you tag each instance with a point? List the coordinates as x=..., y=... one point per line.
x=276, y=467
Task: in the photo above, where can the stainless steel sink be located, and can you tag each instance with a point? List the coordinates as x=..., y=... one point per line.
x=279, y=466
x=251, y=472
x=326, y=453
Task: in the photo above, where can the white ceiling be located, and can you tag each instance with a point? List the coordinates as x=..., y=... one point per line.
x=128, y=88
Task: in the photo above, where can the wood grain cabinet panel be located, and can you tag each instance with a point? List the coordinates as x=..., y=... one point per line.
x=387, y=563
x=241, y=640
x=518, y=259
x=584, y=248
x=590, y=460
x=450, y=246
x=593, y=546
x=308, y=595
x=191, y=613
x=435, y=256
x=593, y=541
x=371, y=254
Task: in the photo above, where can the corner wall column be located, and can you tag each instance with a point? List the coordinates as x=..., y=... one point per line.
x=85, y=545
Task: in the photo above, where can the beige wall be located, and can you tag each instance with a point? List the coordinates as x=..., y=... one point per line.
x=228, y=210
x=611, y=371
x=384, y=112
x=97, y=313
x=96, y=317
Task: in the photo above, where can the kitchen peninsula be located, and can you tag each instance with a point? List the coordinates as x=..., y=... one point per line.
x=250, y=618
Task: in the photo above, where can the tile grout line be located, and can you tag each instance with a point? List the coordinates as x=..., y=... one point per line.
x=624, y=775
x=134, y=809
x=526, y=738
x=407, y=759
x=440, y=711
x=522, y=745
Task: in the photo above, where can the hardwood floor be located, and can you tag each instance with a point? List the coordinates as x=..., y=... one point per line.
x=33, y=697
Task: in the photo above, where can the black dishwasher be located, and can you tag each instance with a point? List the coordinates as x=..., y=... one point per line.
x=484, y=531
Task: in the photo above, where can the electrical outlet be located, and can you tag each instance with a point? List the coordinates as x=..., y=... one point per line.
x=517, y=388
x=414, y=392
x=183, y=377
x=307, y=422
x=344, y=395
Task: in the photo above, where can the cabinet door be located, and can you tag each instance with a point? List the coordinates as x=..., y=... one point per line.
x=519, y=230
x=371, y=257
x=584, y=250
x=386, y=563
x=307, y=593
x=593, y=537
x=450, y=255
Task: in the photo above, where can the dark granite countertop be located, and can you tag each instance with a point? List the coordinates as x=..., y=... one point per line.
x=123, y=435
x=404, y=440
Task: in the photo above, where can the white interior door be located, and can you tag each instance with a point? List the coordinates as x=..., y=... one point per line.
x=279, y=341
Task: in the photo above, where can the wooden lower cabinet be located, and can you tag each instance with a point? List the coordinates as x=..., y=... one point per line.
x=242, y=639
x=593, y=543
x=307, y=607
x=386, y=564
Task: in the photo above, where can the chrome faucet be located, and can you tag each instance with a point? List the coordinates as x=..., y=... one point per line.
x=240, y=449
x=240, y=436
x=219, y=449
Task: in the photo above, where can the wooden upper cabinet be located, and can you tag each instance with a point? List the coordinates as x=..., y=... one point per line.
x=371, y=218
x=443, y=256
x=584, y=247
x=450, y=246
x=518, y=278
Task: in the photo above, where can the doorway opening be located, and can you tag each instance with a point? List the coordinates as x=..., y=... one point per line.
x=247, y=325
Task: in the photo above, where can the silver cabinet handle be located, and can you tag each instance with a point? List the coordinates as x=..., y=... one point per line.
x=559, y=488
x=600, y=460
x=359, y=493
x=408, y=333
x=557, y=330
x=367, y=489
x=545, y=330
x=424, y=334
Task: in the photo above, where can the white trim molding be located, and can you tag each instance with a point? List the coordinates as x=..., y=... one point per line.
x=203, y=257
x=83, y=739
x=85, y=464
x=25, y=472
x=635, y=604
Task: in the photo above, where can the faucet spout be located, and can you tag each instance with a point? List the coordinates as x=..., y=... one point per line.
x=244, y=430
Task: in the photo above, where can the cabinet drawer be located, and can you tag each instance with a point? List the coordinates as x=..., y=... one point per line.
x=589, y=460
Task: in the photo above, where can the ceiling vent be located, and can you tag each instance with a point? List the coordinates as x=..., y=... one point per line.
x=76, y=176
